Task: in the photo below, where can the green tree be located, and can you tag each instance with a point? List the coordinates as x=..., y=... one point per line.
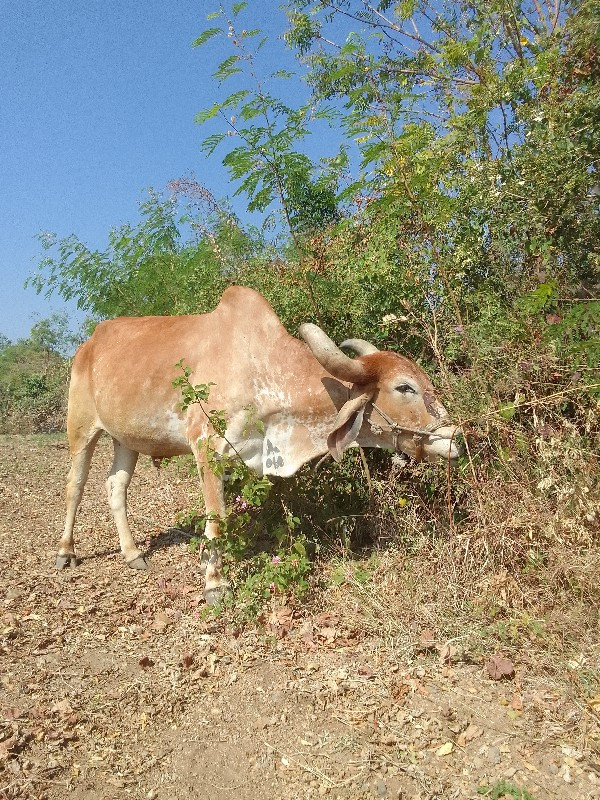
x=33, y=377
x=148, y=268
x=266, y=134
x=475, y=125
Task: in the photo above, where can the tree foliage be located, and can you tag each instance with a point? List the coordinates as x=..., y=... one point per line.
x=463, y=195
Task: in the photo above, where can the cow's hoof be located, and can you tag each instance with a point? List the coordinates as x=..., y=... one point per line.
x=64, y=560
x=138, y=563
x=214, y=597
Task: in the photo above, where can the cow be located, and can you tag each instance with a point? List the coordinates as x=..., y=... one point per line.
x=285, y=403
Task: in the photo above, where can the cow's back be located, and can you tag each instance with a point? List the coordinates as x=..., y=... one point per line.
x=122, y=377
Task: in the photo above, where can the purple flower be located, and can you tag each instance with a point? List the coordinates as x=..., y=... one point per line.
x=275, y=560
x=241, y=505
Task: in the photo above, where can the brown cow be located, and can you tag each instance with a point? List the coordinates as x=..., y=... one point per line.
x=306, y=401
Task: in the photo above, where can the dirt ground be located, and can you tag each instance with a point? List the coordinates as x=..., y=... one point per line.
x=114, y=685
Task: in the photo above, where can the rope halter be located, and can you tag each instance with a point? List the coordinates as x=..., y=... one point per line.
x=419, y=434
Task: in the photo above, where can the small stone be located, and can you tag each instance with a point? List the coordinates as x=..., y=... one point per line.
x=381, y=789
x=493, y=755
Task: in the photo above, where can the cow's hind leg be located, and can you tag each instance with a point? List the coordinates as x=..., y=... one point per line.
x=117, y=483
x=81, y=458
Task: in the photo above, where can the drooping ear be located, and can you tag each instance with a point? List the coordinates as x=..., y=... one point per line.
x=347, y=425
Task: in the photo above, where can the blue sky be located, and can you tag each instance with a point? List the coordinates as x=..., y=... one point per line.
x=97, y=102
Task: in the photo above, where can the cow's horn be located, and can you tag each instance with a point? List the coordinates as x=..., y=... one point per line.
x=359, y=346
x=330, y=356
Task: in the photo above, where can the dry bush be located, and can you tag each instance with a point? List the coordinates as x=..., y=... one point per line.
x=501, y=554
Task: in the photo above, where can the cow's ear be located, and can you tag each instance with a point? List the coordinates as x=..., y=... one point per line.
x=347, y=425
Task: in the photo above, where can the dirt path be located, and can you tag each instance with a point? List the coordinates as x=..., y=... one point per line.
x=112, y=685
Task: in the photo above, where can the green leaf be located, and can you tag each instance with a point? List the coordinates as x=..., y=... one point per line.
x=507, y=410
x=227, y=68
x=202, y=116
x=235, y=98
x=205, y=36
x=210, y=144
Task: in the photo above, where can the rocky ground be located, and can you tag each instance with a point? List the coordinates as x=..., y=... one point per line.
x=115, y=684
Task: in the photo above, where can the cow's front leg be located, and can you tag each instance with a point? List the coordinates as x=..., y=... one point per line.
x=215, y=583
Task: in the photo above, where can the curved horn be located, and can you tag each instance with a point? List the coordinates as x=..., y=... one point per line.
x=330, y=356
x=359, y=346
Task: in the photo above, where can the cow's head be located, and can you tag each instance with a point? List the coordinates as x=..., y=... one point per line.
x=392, y=403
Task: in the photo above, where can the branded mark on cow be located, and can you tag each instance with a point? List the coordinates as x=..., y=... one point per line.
x=274, y=459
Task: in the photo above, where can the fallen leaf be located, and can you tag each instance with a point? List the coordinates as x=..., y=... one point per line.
x=63, y=708
x=145, y=662
x=279, y=621
x=12, y=713
x=187, y=659
x=326, y=619
x=161, y=621
x=6, y=746
x=531, y=767
x=470, y=732
x=328, y=633
x=445, y=749
x=400, y=692
x=427, y=639
x=447, y=652
x=500, y=667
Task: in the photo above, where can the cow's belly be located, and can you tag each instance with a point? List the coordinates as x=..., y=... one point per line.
x=161, y=437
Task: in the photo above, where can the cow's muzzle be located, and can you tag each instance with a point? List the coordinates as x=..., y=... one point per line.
x=445, y=443
x=439, y=439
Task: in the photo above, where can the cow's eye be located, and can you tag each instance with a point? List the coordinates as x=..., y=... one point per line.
x=404, y=388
